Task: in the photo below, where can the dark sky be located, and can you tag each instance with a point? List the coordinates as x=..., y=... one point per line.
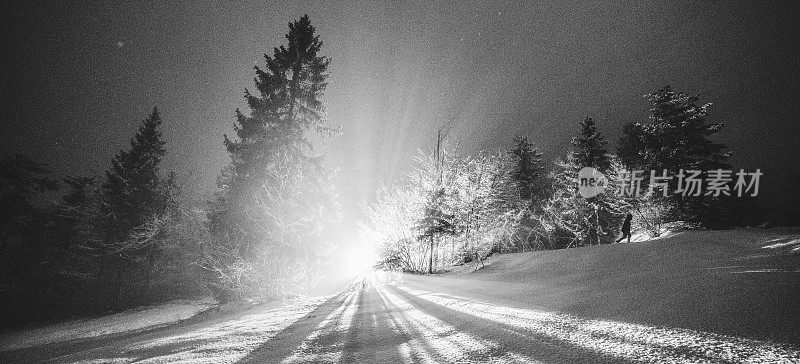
x=78, y=78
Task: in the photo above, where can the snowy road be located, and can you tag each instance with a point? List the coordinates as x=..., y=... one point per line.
x=375, y=322
x=379, y=323
x=706, y=296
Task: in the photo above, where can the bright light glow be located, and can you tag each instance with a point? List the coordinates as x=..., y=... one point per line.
x=360, y=260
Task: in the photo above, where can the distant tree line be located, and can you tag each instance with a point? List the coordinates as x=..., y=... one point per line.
x=454, y=209
x=93, y=250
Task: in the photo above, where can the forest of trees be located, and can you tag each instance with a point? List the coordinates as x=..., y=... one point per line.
x=454, y=209
x=126, y=238
x=104, y=246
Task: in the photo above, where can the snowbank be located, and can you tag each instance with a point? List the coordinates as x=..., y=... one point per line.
x=742, y=283
x=127, y=321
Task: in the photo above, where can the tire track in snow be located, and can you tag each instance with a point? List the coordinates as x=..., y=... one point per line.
x=615, y=341
x=387, y=324
x=326, y=343
x=373, y=325
x=436, y=341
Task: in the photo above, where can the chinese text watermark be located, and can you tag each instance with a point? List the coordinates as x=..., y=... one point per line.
x=715, y=182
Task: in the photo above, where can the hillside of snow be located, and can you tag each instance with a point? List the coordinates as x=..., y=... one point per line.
x=733, y=282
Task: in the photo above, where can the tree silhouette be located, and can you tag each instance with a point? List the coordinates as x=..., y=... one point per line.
x=591, y=147
x=269, y=213
x=133, y=193
x=527, y=168
x=678, y=137
x=134, y=188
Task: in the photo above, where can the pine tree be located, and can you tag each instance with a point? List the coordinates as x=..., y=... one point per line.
x=632, y=149
x=134, y=188
x=593, y=220
x=603, y=210
x=275, y=201
x=133, y=193
x=527, y=168
x=565, y=209
x=678, y=137
x=591, y=147
x=287, y=107
x=683, y=133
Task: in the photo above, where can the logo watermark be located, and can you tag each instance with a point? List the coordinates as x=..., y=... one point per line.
x=591, y=182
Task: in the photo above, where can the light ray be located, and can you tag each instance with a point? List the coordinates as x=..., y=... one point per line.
x=435, y=341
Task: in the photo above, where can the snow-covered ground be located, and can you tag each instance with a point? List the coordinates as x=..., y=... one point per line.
x=220, y=336
x=691, y=297
x=733, y=282
x=608, y=340
x=128, y=321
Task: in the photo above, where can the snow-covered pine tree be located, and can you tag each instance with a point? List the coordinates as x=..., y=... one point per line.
x=593, y=220
x=591, y=147
x=565, y=210
x=679, y=136
x=527, y=167
x=527, y=173
x=683, y=133
x=604, y=209
x=275, y=201
x=632, y=149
